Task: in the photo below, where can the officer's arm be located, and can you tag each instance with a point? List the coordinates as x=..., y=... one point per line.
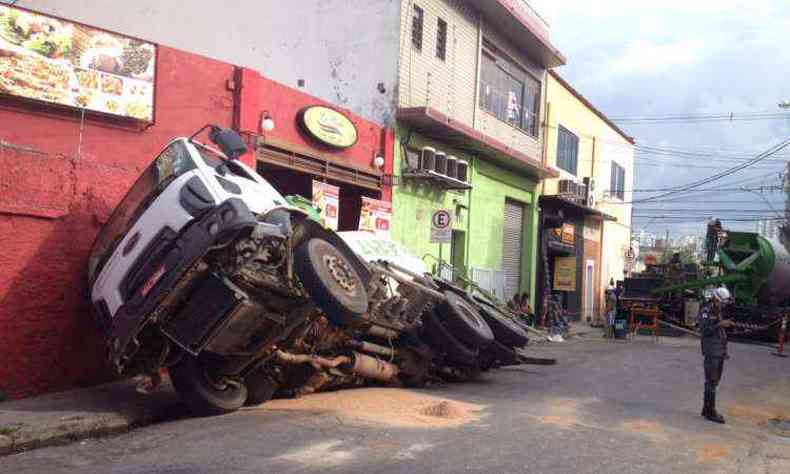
x=707, y=326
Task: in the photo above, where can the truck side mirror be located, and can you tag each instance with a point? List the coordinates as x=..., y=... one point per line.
x=228, y=141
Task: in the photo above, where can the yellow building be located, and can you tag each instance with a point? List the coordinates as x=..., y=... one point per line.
x=590, y=201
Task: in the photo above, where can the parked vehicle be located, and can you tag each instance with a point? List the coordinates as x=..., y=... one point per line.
x=204, y=268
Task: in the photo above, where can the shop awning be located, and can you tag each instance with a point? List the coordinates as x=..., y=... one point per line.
x=523, y=27
x=321, y=165
x=562, y=203
x=434, y=124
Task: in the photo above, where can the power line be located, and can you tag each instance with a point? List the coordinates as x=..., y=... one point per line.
x=690, y=186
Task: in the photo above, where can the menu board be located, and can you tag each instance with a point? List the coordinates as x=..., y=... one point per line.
x=375, y=216
x=64, y=63
x=327, y=199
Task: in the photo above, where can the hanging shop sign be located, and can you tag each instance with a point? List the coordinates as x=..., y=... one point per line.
x=441, y=227
x=60, y=62
x=565, y=274
x=326, y=198
x=328, y=126
x=376, y=216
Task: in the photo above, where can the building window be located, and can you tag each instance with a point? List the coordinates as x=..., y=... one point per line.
x=567, y=150
x=441, y=39
x=416, y=28
x=508, y=91
x=617, y=188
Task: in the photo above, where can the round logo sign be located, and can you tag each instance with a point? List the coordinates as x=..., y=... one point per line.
x=441, y=219
x=329, y=126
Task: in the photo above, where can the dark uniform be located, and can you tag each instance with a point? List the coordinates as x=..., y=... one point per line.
x=714, y=349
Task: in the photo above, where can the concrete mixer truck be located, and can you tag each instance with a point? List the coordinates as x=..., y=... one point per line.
x=756, y=270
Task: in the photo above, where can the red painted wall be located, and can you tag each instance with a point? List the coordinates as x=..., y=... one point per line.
x=260, y=96
x=52, y=203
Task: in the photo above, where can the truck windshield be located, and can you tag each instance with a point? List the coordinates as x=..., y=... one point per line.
x=172, y=163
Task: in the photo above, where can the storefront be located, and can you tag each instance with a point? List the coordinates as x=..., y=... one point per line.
x=570, y=263
x=490, y=192
x=309, y=148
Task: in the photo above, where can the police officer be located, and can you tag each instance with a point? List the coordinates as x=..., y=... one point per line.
x=714, y=347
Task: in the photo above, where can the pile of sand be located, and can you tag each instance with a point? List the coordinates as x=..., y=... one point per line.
x=385, y=406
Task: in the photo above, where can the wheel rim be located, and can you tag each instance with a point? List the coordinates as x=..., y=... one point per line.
x=341, y=273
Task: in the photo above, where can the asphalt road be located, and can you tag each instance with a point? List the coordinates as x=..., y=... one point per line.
x=606, y=407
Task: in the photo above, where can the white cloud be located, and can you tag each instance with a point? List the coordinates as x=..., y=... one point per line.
x=645, y=57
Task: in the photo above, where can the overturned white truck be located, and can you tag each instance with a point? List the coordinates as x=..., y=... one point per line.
x=205, y=269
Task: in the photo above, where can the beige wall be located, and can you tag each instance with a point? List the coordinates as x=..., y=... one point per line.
x=451, y=86
x=599, y=146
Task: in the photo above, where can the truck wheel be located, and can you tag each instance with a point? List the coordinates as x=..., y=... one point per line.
x=464, y=321
x=506, y=331
x=203, y=393
x=438, y=336
x=330, y=280
x=260, y=388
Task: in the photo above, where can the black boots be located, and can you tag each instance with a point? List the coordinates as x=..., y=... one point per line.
x=709, y=408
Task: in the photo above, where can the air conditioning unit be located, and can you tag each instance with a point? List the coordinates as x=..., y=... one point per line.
x=452, y=166
x=567, y=187
x=581, y=192
x=589, y=199
x=440, y=166
x=427, y=159
x=463, y=171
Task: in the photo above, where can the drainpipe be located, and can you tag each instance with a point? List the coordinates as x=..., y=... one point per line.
x=545, y=151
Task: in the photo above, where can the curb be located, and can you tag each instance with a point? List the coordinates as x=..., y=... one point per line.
x=37, y=423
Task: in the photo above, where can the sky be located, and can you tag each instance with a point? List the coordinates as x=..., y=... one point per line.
x=638, y=58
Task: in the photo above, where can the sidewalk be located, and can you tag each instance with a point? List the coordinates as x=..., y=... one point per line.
x=64, y=417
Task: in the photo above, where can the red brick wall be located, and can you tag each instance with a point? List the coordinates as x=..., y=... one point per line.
x=52, y=203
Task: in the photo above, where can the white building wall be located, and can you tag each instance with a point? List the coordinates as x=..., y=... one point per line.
x=342, y=49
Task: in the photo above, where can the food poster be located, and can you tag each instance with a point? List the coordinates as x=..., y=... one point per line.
x=376, y=216
x=327, y=199
x=565, y=274
x=64, y=63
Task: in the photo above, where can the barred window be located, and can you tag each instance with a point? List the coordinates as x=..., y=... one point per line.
x=416, y=28
x=441, y=39
x=567, y=150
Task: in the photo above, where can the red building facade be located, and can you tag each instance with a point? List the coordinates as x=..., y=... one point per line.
x=61, y=174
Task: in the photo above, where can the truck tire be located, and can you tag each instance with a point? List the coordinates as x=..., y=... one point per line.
x=464, y=321
x=260, y=388
x=201, y=394
x=498, y=355
x=506, y=331
x=439, y=337
x=330, y=280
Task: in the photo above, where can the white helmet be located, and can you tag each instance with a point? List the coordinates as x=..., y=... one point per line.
x=722, y=294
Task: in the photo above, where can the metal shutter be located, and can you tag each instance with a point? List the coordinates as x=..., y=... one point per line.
x=511, y=247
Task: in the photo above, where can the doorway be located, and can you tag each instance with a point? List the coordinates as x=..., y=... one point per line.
x=458, y=254
x=589, y=290
x=288, y=181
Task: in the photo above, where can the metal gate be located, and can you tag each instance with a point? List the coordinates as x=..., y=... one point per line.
x=513, y=239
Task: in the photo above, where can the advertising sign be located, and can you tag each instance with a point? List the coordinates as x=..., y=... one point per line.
x=441, y=227
x=327, y=199
x=328, y=126
x=61, y=62
x=565, y=274
x=375, y=216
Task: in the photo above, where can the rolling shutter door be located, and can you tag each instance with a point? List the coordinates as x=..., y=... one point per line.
x=512, y=246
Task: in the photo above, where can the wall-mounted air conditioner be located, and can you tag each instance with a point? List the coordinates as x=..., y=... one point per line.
x=463, y=171
x=452, y=166
x=427, y=158
x=567, y=187
x=589, y=199
x=440, y=166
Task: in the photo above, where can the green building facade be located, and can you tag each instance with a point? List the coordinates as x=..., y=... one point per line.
x=478, y=215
